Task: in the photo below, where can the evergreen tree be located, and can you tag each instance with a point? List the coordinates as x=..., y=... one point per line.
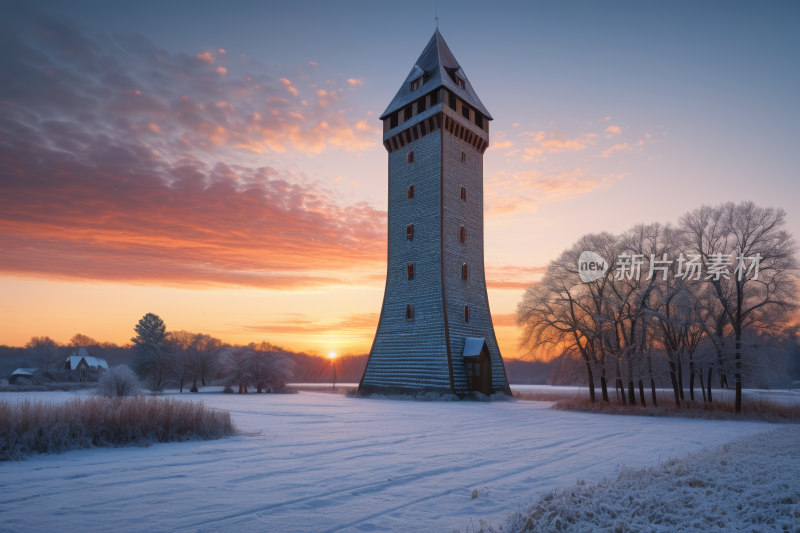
x=151, y=358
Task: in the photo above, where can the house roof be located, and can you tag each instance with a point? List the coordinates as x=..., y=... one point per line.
x=75, y=358
x=473, y=346
x=436, y=62
x=23, y=372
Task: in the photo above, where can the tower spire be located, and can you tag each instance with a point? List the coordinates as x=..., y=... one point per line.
x=437, y=17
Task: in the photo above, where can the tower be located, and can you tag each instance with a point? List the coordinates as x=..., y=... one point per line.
x=435, y=331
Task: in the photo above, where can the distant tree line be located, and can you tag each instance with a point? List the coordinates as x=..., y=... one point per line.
x=731, y=315
x=188, y=359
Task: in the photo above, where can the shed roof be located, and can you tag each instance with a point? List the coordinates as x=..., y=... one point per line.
x=473, y=346
x=23, y=372
x=436, y=61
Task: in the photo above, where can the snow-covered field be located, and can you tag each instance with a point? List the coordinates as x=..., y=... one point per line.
x=323, y=462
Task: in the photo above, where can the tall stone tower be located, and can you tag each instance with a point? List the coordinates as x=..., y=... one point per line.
x=435, y=331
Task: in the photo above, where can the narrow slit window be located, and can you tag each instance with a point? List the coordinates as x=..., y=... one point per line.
x=462, y=233
x=463, y=157
x=410, y=192
x=393, y=121
x=409, y=312
x=479, y=120
x=464, y=193
x=421, y=105
x=464, y=271
x=466, y=313
x=410, y=157
x=410, y=231
x=434, y=98
x=465, y=111
x=410, y=271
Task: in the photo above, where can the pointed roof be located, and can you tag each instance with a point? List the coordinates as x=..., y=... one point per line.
x=437, y=63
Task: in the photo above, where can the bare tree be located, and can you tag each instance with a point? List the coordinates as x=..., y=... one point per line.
x=205, y=353
x=649, y=317
x=271, y=367
x=236, y=367
x=46, y=355
x=753, y=265
x=79, y=340
x=182, y=366
x=555, y=318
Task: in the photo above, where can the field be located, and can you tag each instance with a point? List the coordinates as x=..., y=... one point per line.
x=324, y=462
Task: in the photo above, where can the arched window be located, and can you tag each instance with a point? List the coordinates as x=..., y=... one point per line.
x=466, y=313
x=463, y=234
x=409, y=312
x=410, y=192
x=410, y=157
x=464, y=193
x=464, y=271
x=410, y=270
x=410, y=231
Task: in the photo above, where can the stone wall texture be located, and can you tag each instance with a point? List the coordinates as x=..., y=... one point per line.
x=424, y=353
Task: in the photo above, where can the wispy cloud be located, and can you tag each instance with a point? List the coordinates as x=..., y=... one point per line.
x=122, y=162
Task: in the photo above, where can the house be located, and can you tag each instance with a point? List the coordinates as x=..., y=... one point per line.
x=82, y=367
x=21, y=374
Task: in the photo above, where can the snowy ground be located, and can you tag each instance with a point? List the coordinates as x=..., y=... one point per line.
x=322, y=462
x=752, y=484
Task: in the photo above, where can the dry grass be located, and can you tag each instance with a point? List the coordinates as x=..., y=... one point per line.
x=328, y=390
x=30, y=427
x=542, y=396
x=763, y=410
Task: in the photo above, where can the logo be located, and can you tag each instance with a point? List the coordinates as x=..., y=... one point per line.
x=591, y=267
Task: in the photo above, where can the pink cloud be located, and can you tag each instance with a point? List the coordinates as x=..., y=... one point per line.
x=157, y=176
x=205, y=57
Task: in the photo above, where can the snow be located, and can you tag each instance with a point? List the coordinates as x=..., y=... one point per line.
x=752, y=484
x=324, y=462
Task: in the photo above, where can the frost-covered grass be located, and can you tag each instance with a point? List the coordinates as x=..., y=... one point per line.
x=35, y=426
x=752, y=409
x=752, y=484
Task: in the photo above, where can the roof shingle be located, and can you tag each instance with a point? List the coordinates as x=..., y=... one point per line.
x=436, y=61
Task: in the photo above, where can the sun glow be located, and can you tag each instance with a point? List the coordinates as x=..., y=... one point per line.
x=332, y=355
